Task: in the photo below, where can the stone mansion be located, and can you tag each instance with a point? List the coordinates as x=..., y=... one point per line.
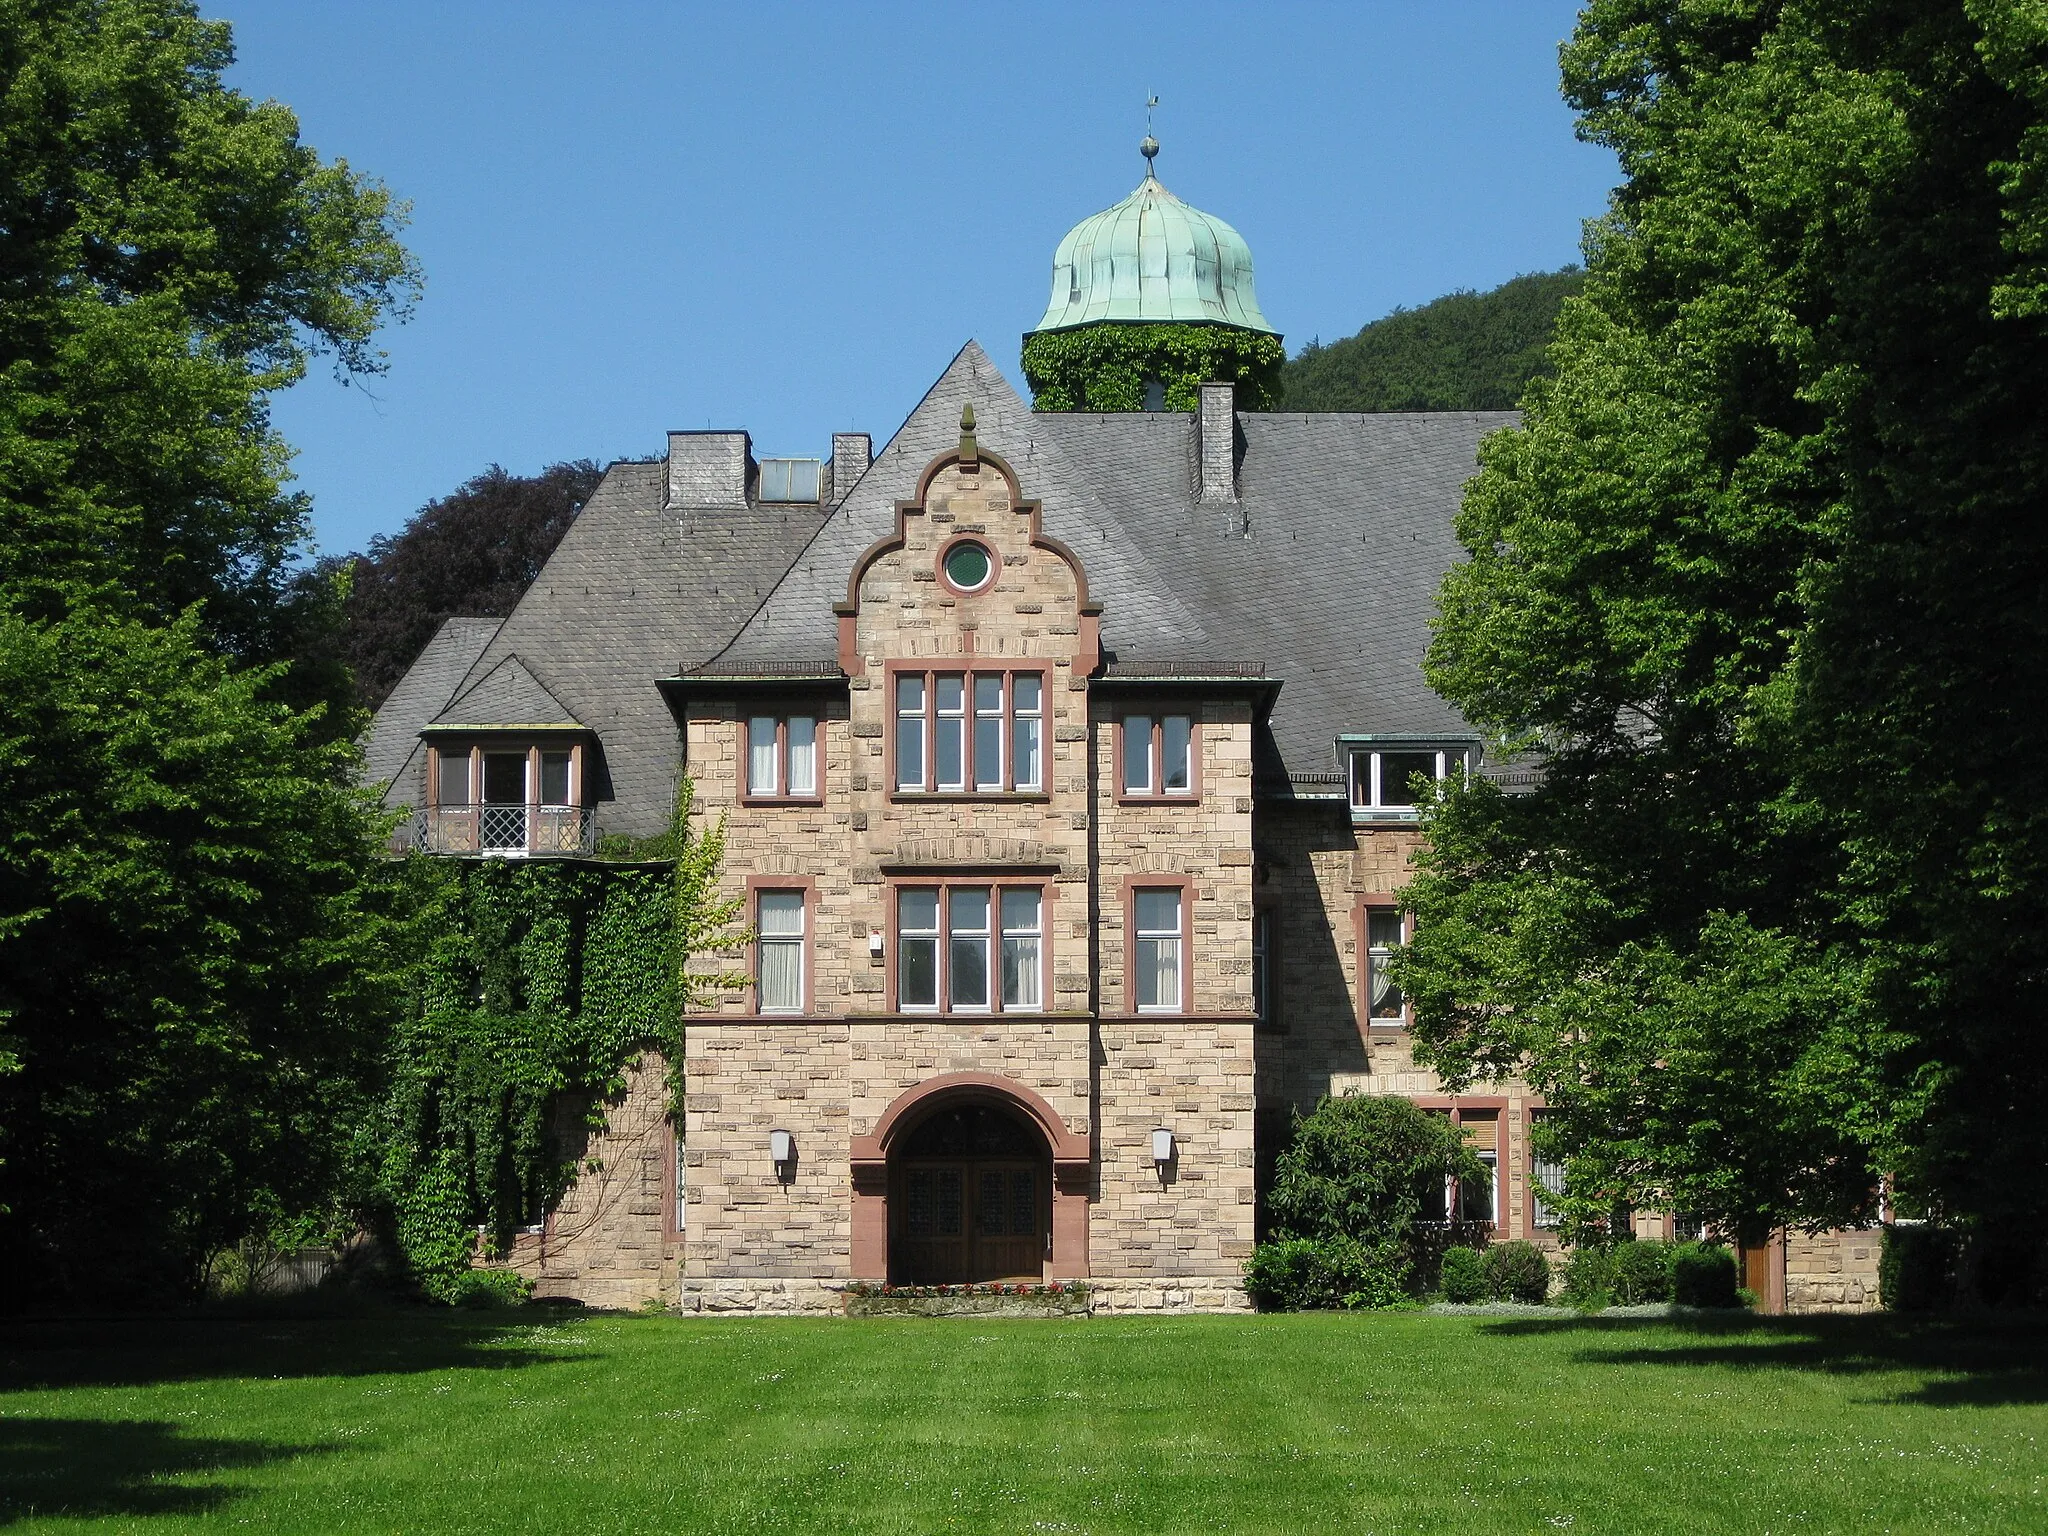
x=1068, y=764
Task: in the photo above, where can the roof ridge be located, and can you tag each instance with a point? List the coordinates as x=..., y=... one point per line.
x=979, y=355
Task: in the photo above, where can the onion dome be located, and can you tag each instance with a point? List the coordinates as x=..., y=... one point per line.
x=1153, y=259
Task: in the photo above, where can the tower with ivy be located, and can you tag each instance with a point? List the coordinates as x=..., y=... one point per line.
x=1151, y=299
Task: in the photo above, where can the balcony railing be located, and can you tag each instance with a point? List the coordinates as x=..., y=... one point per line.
x=506, y=830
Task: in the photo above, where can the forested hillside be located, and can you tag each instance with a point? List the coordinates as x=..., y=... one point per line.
x=1463, y=352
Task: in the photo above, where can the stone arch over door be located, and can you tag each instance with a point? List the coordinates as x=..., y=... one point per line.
x=961, y=1090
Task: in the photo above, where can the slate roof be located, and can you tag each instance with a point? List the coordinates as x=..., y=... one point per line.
x=508, y=697
x=1323, y=578
x=392, y=755
x=634, y=593
x=1349, y=517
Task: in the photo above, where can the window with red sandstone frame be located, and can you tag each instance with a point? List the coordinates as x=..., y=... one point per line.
x=782, y=756
x=970, y=947
x=978, y=731
x=1158, y=755
x=1159, y=948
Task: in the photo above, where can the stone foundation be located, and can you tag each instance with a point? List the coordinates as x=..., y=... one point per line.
x=763, y=1297
x=1194, y=1293
x=767, y=1297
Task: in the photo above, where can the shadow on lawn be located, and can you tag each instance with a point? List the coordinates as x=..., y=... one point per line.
x=102, y=1468
x=142, y=1351
x=1979, y=1361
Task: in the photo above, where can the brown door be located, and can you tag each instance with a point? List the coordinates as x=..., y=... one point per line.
x=970, y=1202
x=969, y=1223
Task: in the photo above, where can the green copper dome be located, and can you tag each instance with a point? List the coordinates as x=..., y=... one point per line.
x=1153, y=258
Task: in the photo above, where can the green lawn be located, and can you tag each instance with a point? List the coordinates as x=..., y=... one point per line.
x=530, y=1421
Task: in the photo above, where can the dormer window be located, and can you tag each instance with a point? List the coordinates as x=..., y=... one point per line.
x=794, y=480
x=505, y=797
x=1384, y=775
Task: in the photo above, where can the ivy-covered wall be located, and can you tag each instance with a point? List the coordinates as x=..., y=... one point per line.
x=536, y=984
x=1105, y=367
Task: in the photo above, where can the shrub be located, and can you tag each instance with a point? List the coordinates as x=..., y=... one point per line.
x=1464, y=1276
x=1357, y=1169
x=1589, y=1277
x=1640, y=1271
x=482, y=1289
x=1294, y=1274
x=1283, y=1276
x=1517, y=1271
x=1916, y=1271
x=1703, y=1275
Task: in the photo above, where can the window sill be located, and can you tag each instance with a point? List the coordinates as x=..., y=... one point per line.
x=1385, y=816
x=813, y=801
x=957, y=796
x=1175, y=798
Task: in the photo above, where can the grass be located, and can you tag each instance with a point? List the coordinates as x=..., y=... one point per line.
x=531, y=1421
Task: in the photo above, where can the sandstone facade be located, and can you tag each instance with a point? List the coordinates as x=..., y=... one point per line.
x=1193, y=964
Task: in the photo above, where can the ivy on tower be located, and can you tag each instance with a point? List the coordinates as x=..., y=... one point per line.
x=1151, y=299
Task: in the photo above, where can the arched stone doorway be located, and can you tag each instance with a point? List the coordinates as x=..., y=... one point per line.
x=970, y=1198
x=970, y=1178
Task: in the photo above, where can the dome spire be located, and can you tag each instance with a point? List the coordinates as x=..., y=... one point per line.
x=1149, y=146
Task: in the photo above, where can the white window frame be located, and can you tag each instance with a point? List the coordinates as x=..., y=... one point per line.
x=800, y=942
x=782, y=480
x=568, y=761
x=1490, y=1156
x=1147, y=732
x=995, y=938
x=1364, y=780
x=1546, y=1177
x=782, y=728
x=1178, y=935
x=1373, y=962
x=921, y=727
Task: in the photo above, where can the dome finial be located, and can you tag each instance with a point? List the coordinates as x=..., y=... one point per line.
x=1149, y=147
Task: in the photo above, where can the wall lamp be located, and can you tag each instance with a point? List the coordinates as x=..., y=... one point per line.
x=1162, y=1150
x=782, y=1153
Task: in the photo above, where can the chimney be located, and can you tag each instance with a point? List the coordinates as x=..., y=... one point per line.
x=709, y=469
x=1216, y=436
x=851, y=452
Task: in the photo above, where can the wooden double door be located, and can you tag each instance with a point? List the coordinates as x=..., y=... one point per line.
x=970, y=1201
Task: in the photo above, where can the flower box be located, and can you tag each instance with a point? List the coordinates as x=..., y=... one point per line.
x=864, y=1299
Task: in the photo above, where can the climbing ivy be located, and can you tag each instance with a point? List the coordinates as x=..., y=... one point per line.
x=536, y=985
x=1105, y=367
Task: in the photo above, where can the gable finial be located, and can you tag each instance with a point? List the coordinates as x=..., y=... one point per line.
x=970, y=455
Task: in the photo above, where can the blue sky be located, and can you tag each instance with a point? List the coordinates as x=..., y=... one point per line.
x=634, y=217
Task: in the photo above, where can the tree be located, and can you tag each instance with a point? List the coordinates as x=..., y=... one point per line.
x=1761, y=575
x=1463, y=352
x=470, y=553
x=188, y=892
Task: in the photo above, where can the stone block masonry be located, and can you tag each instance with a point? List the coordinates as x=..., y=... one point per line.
x=609, y=1241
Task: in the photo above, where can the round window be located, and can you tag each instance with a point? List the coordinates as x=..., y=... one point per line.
x=969, y=566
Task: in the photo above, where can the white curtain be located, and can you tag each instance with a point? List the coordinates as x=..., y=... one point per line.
x=803, y=755
x=781, y=927
x=761, y=755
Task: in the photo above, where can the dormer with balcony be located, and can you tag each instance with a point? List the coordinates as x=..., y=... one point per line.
x=508, y=772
